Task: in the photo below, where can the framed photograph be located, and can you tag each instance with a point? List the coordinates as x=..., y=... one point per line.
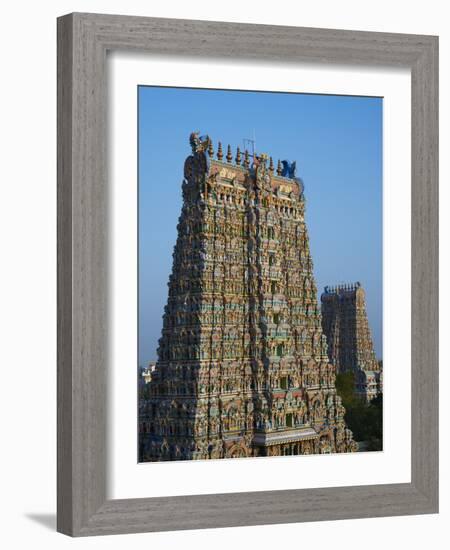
x=247, y=274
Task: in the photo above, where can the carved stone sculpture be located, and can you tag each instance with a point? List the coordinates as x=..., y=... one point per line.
x=242, y=366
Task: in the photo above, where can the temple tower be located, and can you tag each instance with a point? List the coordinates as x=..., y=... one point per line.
x=350, y=347
x=242, y=364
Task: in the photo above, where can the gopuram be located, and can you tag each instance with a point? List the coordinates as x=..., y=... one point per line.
x=242, y=365
x=350, y=347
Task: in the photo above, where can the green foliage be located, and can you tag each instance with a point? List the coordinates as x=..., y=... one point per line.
x=364, y=419
x=345, y=383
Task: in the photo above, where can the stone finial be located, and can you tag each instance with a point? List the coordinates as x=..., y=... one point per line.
x=210, y=149
x=271, y=164
x=219, y=151
x=246, y=159
x=238, y=156
x=279, y=168
x=229, y=156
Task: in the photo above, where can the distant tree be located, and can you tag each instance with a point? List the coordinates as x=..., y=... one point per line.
x=345, y=386
x=364, y=419
x=375, y=424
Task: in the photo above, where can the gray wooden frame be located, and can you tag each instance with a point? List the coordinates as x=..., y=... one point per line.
x=83, y=40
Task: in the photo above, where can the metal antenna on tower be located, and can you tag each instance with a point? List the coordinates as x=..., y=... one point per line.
x=252, y=142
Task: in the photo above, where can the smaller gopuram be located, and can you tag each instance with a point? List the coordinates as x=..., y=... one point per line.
x=350, y=346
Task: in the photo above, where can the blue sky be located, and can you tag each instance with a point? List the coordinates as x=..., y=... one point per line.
x=337, y=143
